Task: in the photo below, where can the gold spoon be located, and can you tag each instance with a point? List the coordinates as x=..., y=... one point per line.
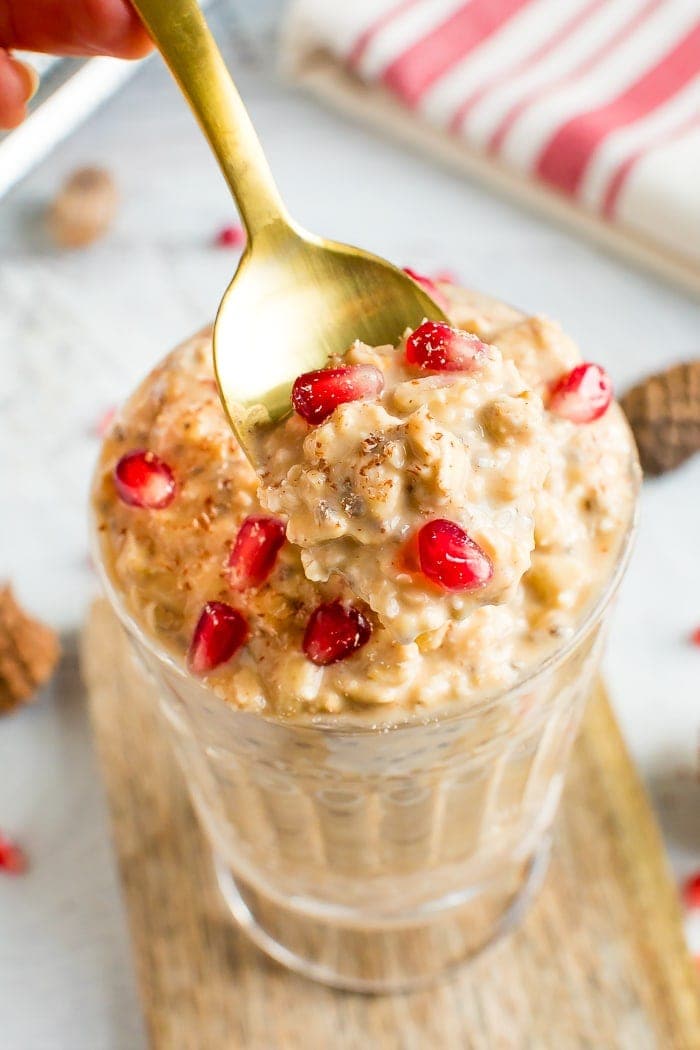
x=295, y=298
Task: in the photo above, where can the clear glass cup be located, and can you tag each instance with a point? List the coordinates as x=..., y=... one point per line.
x=374, y=857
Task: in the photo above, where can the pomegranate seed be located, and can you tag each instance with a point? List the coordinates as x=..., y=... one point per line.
x=230, y=237
x=334, y=632
x=254, y=553
x=316, y=394
x=448, y=557
x=439, y=348
x=428, y=285
x=144, y=480
x=446, y=276
x=582, y=395
x=691, y=891
x=220, y=632
x=13, y=859
x=695, y=636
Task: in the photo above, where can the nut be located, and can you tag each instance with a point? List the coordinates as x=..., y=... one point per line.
x=84, y=209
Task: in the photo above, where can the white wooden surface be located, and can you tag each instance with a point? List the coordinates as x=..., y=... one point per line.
x=76, y=331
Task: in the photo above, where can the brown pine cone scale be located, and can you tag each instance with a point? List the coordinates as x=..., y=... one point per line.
x=29, y=652
x=664, y=413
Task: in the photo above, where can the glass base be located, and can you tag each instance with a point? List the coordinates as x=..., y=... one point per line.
x=382, y=958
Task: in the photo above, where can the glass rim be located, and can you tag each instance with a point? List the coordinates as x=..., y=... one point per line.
x=340, y=724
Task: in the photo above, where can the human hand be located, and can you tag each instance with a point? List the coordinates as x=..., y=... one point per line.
x=63, y=27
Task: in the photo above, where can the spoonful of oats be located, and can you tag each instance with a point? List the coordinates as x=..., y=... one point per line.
x=295, y=299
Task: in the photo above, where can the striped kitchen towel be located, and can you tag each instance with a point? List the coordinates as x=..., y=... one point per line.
x=588, y=109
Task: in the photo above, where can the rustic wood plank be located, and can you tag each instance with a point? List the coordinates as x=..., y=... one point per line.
x=600, y=961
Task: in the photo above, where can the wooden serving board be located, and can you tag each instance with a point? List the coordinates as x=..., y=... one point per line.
x=599, y=962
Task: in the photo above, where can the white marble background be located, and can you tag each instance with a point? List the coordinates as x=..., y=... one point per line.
x=76, y=332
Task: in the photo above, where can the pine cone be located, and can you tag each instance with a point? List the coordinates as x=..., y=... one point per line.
x=664, y=413
x=28, y=653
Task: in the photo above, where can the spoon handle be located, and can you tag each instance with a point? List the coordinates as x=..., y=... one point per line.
x=182, y=35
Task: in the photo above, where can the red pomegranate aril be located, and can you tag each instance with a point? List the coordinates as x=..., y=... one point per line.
x=316, y=394
x=220, y=632
x=439, y=348
x=691, y=891
x=581, y=395
x=13, y=859
x=428, y=285
x=450, y=558
x=231, y=237
x=143, y=479
x=446, y=277
x=334, y=632
x=695, y=637
x=255, y=551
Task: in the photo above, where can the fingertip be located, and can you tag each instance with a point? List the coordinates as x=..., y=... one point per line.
x=31, y=78
x=11, y=117
x=74, y=27
x=133, y=45
x=18, y=82
x=126, y=33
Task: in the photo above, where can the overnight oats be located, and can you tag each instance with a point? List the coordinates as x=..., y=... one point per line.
x=373, y=657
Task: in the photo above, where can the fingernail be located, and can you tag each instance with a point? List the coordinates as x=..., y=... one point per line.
x=29, y=75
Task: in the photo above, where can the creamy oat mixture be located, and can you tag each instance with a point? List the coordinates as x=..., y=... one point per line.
x=471, y=447
x=496, y=449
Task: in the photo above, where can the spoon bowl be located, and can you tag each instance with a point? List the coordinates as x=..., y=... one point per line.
x=293, y=302
x=296, y=298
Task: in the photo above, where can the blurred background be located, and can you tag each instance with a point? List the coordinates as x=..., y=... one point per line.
x=78, y=328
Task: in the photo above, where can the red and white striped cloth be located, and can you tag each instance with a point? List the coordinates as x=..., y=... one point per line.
x=596, y=101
